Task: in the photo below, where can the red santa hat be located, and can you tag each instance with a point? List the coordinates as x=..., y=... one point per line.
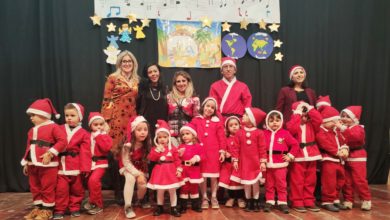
x=162, y=126
x=212, y=99
x=43, y=107
x=80, y=110
x=353, y=112
x=323, y=101
x=132, y=124
x=189, y=127
x=93, y=116
x=230, y=118
x=294, y=68
x=228, y=60
x=256, y=115
x=329, y=113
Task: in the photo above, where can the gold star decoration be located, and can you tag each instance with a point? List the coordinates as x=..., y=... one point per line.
x=96, y=19
x=111, y=27
x=274, y=27
x=244, y=24
x=131, y=17
x=226, y=26
x=262, y=24
x=206, y=22
x=145, y=22
x=278, y=43
x=279, y=56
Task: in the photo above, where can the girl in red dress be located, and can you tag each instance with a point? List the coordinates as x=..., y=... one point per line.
x=166, y=172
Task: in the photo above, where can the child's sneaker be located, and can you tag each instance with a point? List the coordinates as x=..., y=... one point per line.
x=284, y=208
x=241, y=203
x=95, y=210
x=313, y=208
x=88, y=206
x=58, y=216
x=214, y=203
x=44, y=214
x=129, y=212
x=267, y=207
x=348, y=204
x=32, y=214
x=205, y=203
x=75, y=214
x=300, y=209
x=229, y=202
x=366, y=206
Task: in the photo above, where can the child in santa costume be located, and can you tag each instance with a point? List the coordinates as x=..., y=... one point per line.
x=133, y=164
x=355, y=166
x=101, y=144
x=334, y=152
x=165, y=174
x=232, y=95
x=235, y=190
x=251, y=157
x=40, y=161
x=323, y=101
x=303, y=125
x=282, y=149
x=212, y=135
x=190, y=153
x=75, y=161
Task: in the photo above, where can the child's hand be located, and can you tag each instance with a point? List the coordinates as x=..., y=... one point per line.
x=46, y=157
x=227, y=155
x=193, y=160
x=286, y=158
x=235, y=165
x=178, y=173
x=338, y=124
x=181, y=151
x=263, y=167
x=106, y=127
x=221, y=157
x=25, y=170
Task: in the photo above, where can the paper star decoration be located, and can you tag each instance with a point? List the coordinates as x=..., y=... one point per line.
x=111, y=27
x=279, y=56
x=278, y=43
x=96, y=19
x=244, y=24
x=262, y=24
x=226, y=27
x=206, y=22
x=274, y=27
x=131, y=17
x=145, y=22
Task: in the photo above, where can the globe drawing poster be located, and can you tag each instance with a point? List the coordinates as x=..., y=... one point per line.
x=188, y=44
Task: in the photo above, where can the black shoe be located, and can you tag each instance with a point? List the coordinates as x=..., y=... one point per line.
x=175, y=212
x=331, y=207
x=119, y=198
x=313, y=208
x=340, y=206
x=195, y=205
x=284, y=208
x=183, y=205
x=267, y=207
x=159, y=210
x=300, y=209
x=249, y=205
x=256, y=205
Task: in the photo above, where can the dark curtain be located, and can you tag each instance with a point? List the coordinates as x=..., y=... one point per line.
x=49, y=48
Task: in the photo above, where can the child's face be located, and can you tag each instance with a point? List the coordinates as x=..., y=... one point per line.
x=97, y=125
x=246, y=121
x=209, y=108
x=329, y=124
x=37, y=119
x=162, y=138
x=187, y=136
x=274, y=123
x=346, y=120
x=141, y=131
x=71, y=117
x=233, y=126
x=228, y=71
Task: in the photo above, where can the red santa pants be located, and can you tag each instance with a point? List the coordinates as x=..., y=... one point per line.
x=332, y=181
x=302, y=180
x=95, y=187
x=191, y=189
x=70, y=193
x=43, y=181
x=355, y=180
x=276, y=181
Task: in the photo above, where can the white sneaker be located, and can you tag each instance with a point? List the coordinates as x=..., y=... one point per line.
x=241, y=203
x=229, y=202
x=366, y=205
x=205, y=203
x=214, y=203
x=348, y=204
x=129, y=212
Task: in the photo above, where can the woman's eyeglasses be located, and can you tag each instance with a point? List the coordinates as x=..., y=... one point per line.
x=179, y=81
x=127, y=61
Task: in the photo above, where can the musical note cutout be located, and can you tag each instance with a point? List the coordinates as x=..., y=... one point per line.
x=127, y=2
x=177, y=2
x=113, y=9
x=189, y=17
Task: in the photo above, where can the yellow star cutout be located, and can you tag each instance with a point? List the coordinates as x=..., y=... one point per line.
x=226, y=27
x=278, y=43
x=111, y=27
x=262, y=24
x=279, y=56
x=244, y=24
x=132, y=18
x=274, y=27
x=96, y=19
x=206, y=22
x=145, y=22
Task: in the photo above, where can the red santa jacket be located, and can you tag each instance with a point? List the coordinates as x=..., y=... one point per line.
x=280, y=142
x=232, y=97
x=101, y=144
x=355, y=137
x=41, y=138
x=77, y=157
x=231, y=146
x=211, y=133
x=306, y=135
x=330, y=142
x=191, y=173
x=167, y=155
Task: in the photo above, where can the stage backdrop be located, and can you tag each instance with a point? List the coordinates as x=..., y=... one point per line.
x=50, y=49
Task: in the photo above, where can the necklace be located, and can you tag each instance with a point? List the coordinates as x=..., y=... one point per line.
x=158, y=96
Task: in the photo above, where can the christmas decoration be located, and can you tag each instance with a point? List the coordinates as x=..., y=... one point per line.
x=279, y=56
x=262, y=24
x=112, y=54
x=125, y=31
x=226, y=27
x=111, y=27
x=96, y=19
x=145, y=22
x=112, y=39
x=244, y=24
x=274, y=27
x=278, y=43
x=139, y=33
x=132, y=18
x=206, y=22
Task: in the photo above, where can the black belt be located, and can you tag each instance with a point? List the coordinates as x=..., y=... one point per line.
x=96, y=158
x=356, y=148
x=188, y=163
x=277, y=152
x=228, y=160
x=165, y=161
x=303, y=145
x=231, y=114
x=41, y=143
x=68, y=153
